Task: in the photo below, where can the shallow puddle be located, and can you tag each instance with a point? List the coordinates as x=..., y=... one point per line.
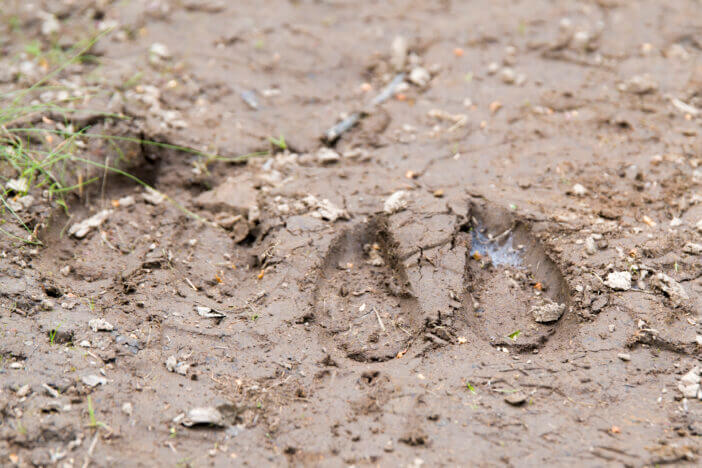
x=500, y=251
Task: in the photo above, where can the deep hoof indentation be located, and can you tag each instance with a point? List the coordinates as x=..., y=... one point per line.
x=363, y=300
x=515, y=293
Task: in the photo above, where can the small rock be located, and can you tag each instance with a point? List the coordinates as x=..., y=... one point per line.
x=124, y=202
x=100, y=325
x=675, y=222
x=639, y=84
x=692, y=248
x=548, y=312
x=80, y=230
x=47, y=304
x=689, y=384
x=23, y=391
x=508, y=76
x=327, y=156
x=153, y=197
x=493, y=68
x=158, y=52
x=16, y=365
x=172, y=365
x=620, y=280
x=20, y=185
x=207, y=312
x=51, y=391
x=578, y=190
x=396, y=202
x=21, y=203
x=127, y=408
x=93, y=380
x=49, y=24
x=208, y=416
x=698, y=226
x=590, y=246
x=671, y=288
x=65, y=270
x=419, y=76
x=325, y=209
x=516, y=398
x=624, y=356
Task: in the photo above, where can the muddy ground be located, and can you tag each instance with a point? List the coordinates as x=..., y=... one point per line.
x=370, y=299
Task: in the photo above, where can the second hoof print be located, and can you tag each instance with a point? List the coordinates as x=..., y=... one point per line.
x=515, y=294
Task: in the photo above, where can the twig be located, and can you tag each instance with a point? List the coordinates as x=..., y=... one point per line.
x=379, y=319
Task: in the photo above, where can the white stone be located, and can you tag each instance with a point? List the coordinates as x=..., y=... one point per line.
x=620, y=280
x=419, y=76
x=396, y=202
x=548, y=312
x=579, y=190
x=80, y=230
x=100, y=325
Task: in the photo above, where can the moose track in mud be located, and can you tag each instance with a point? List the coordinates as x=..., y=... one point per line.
x=363, y=300
x=510, y=278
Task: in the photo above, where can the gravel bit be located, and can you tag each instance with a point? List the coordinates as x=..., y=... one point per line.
x=207, y=416
x=80, y=230
x=100, y=325
x=396, y=202
x=619, y=280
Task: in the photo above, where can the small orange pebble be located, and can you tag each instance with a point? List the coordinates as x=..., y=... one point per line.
x=539, y=287
x=400, y=354
x=49, y=139
x=439, y=193
x=260, y=275
x=375, y=246
x=411, y=175
x=219, y=280
x=401, y=97
x=483, y=124
x=633, y=253
x=616, y=430
x=458, y=52
x=43, y=63
x=495, y=106
x=349, y=265
x=365, y=87
x=115, y=203
x=648, y=221
x=232, y=266
x=477, y=256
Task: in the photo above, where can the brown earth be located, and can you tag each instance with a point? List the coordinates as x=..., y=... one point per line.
x=352, y=334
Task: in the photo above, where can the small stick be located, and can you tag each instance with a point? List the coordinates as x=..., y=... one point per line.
x=382, y=326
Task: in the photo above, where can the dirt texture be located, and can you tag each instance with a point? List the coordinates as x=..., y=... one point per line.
x=498, y=265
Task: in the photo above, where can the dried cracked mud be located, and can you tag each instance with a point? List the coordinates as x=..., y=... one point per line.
x=542, y=149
